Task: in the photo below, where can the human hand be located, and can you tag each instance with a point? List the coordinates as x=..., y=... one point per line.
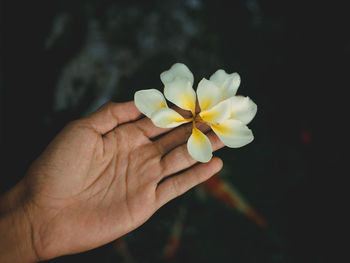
x=103, y=176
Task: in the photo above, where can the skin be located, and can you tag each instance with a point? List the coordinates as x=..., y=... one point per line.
x=100, y=178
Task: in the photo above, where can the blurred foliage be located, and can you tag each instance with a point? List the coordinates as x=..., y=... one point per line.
x=62, y=59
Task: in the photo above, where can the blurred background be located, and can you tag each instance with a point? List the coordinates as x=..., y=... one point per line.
x=275, y=199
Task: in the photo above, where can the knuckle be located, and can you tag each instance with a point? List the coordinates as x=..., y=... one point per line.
x=176, y=186
x=108, y=106
x=186, y=156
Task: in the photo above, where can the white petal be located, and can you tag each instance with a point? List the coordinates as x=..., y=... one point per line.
x=243, y=109
x=167, y=118
x=180, y=93
x=199, y=146
x=228, y=82
x=178, y=70
x=149, y=100
x=208, y=94
x=217, y=114
x=233, y=133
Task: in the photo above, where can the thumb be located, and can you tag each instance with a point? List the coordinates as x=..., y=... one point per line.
x=112, y=114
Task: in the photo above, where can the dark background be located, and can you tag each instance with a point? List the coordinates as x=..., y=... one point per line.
x=62, y=59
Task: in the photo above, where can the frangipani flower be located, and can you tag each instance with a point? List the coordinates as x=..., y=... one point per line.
x=220, y=108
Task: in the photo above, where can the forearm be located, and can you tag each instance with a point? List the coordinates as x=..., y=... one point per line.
x=15, y=229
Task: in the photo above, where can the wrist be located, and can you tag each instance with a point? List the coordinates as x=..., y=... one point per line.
x=16, y=244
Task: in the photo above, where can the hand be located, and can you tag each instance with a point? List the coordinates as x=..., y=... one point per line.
x=100, y=178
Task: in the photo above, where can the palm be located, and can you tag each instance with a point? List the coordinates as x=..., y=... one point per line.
x=94, y=183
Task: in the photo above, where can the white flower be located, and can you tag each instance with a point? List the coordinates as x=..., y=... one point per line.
x=226, y=113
